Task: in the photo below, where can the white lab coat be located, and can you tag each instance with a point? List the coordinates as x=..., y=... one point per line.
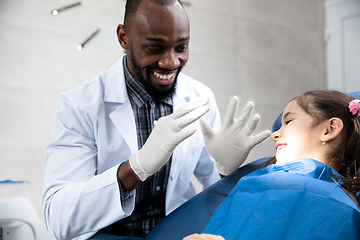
x=93, y=132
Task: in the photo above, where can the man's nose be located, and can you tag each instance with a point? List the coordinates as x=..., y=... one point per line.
x=170, y=61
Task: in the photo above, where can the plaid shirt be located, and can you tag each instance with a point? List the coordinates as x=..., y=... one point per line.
x=150, y=194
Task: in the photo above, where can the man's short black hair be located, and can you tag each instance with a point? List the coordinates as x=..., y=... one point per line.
x=132, y=6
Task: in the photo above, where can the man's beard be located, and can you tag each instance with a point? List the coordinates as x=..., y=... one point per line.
x=156, y=95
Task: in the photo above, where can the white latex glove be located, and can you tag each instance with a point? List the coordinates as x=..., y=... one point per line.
x=232, y=143
x=168, y=132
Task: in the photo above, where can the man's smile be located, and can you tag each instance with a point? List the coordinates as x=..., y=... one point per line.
x=163, y=79
x=164, y=76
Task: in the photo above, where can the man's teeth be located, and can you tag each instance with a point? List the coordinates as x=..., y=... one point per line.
x=164, y=76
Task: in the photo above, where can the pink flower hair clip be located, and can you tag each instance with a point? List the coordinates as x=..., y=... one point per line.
x=354, y=107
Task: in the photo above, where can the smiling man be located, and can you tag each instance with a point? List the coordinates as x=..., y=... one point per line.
x=156, y=40
x=126, y=142
x=109, y=170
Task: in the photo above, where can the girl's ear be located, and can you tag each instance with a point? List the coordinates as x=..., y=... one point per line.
x=333, y=129
x=122, y=36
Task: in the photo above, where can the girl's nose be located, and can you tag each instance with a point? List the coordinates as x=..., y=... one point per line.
x=275, y=135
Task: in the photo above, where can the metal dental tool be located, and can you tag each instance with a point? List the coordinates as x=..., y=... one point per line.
x=56, y=11
x=80, y=46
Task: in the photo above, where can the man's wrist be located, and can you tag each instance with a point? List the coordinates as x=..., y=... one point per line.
x=127, y=177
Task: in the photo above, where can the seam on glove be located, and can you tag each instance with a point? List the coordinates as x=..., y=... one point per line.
x=136, y=167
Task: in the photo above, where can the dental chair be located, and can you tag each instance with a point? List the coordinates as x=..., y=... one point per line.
x=19, y=221
x=193, y=215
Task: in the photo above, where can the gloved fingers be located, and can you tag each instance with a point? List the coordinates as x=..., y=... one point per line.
x=255, y=140
x=241, y=121
x=190, y=106
x=251, y=125
x=185, y=133
x=231, y=111
x=206, y=128
x=191, y=117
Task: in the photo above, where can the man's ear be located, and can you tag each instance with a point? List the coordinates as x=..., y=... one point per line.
x=333, y=129
x=122, y=36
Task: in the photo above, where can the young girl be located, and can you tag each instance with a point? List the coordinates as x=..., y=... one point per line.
x=310, y=193
x=341, y=140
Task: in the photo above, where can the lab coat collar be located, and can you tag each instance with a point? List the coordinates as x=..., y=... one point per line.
x=115, y=86
x=181, y=89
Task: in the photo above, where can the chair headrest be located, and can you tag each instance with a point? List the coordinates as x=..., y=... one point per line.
x=277, y=124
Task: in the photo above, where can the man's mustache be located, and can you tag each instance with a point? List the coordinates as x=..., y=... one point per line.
x=157, y=68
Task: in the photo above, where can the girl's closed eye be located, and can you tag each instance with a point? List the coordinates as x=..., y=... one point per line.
x=288, y=121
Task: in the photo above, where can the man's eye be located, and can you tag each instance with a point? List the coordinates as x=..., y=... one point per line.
x=154, y=49
x=181, y=48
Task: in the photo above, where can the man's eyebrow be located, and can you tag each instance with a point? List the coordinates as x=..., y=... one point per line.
x=159, y=40
x=156, y=40
x=184, y=39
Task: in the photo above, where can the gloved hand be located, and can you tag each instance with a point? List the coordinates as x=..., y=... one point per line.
x=232, y=143
x=168, y=132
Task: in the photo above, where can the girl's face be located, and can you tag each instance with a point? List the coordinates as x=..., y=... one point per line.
x=297, y=138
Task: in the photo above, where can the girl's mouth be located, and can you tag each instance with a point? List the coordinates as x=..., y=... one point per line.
x=280, y=146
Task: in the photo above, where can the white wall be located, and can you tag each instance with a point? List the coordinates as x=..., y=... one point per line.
x=343, y=44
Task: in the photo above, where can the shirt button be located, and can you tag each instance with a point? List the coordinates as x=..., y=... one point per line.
x=157, y=188
x=171, y=178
